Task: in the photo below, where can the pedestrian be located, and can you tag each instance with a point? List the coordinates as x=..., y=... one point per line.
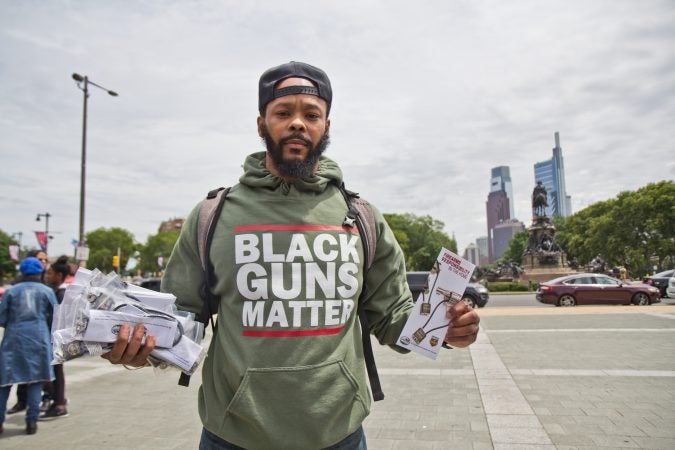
x=26, y=350
x=20, y=404
x=56, y=277
x=285, y=368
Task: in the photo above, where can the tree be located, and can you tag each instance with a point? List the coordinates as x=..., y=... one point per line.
x=636, y=229
x=7, y=265
x=421, y=239
x=103, y=244
x=158, y=245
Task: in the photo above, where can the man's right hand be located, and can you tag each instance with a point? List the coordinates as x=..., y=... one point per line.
x=131, y=352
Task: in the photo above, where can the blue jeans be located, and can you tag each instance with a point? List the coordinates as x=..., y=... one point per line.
x=33, y=397
x=355, y=441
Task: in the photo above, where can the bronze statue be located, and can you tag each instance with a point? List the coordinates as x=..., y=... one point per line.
x=539, y=200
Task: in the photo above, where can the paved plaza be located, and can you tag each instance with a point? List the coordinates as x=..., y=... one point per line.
x=537, y=378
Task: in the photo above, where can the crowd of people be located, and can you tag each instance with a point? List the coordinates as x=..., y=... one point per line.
x=26, y=313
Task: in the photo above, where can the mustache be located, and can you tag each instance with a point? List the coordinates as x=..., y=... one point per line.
x=297, y=136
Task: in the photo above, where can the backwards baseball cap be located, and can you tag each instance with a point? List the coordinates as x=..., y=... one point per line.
x=31, y=266
x=272, y=77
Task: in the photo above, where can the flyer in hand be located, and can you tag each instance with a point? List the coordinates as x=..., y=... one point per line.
x=427, y=325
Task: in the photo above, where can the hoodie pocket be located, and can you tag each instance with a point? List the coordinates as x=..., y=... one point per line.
x=295, y=407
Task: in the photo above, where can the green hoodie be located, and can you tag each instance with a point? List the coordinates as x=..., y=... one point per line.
x=285, y=368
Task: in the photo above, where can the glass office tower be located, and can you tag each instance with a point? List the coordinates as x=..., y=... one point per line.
x=551, y=173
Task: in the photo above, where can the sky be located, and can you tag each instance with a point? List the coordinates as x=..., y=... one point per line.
x=428, y=97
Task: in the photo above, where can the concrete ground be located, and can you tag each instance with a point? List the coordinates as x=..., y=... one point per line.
x=537, y=378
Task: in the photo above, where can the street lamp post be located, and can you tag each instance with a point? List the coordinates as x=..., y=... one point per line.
x=37, y=219
x=83, y=83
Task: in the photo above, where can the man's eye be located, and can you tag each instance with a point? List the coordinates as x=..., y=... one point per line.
x=281, y=113
x=313, y=116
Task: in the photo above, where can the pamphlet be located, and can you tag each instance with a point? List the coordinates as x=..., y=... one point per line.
x=103, y=326
x=427, y=325
x=95, y=306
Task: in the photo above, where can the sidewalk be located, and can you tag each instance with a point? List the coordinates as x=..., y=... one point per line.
x=587, y=380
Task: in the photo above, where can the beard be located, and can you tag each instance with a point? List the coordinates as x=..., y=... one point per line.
x=295, y=168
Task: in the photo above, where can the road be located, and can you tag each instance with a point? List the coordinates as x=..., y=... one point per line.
x=499, y=300
x=539, y=377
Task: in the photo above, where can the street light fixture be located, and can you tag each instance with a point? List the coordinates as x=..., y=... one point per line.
x=83, y=83
x=37, y=219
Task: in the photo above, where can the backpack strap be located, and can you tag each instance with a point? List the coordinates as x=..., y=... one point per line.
x=359, y=212
x=209, y=211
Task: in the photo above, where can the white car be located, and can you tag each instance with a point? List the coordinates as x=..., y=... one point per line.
x=670, y=290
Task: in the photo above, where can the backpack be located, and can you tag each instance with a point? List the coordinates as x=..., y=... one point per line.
x=358, y=213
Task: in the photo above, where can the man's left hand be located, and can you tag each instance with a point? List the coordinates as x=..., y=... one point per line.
x=463, y=328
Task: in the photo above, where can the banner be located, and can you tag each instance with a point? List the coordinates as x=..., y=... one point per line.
x=14, y=252
x=41, y=237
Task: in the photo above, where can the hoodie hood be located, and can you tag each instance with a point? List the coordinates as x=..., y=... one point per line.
x=256, y=175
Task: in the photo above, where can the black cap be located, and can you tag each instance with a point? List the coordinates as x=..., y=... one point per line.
x=271, y=77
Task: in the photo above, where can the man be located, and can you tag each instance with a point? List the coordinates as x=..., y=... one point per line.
x=285, y=368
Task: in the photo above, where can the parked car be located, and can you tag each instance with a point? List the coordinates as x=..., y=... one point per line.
x=595, y=288
x=151, y=283
x=660, y=280
x=475, y=294
x=670, y=290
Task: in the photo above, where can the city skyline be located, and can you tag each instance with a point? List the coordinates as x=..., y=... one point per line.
x=427, y=99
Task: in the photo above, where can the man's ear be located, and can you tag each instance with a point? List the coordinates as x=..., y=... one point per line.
x=327, y=125
x=260, y=121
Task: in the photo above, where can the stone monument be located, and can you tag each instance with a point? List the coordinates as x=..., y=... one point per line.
x=543, y=259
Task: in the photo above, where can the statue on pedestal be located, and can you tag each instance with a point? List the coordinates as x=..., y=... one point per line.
x=541, y=246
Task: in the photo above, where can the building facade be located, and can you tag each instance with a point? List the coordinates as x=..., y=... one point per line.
x=472, y=254
x=171, y=225
x=501, y=181
x=497, y=210
x=482, y=243
x=551, y=173
x=502, y=233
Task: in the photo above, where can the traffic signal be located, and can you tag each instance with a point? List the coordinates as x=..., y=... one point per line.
x=116, y=261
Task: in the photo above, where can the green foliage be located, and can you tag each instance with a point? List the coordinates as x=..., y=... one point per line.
x=103, y=244
x=517, y=246
x=636, y=230
x=508, y=287
x=160, y=244
x=421, y=238
x=7, y=266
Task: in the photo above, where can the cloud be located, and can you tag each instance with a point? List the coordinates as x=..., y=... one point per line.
x=428, y=98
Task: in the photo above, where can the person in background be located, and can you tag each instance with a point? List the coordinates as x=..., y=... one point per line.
x=20, y=404
x=26, y=313
x=56, y=277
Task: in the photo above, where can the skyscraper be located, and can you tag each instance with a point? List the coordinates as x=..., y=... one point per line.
x=501, y=181
x=482, y=243
x=551, y=173
x=472, y=254
x=497, y=212
x=499, y=205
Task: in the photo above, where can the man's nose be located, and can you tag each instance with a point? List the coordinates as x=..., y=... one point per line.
x=297, y=124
